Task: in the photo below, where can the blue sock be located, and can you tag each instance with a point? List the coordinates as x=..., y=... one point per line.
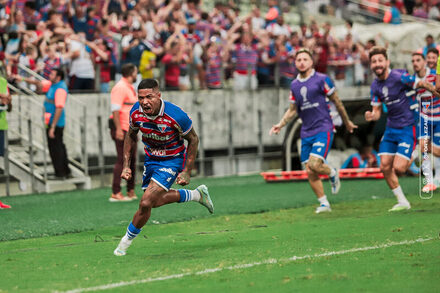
x=132, y=231
x=185, y=195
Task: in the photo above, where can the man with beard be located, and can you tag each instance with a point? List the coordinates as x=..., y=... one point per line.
x=431, y=58
x=308, y=99
x=399, y=140
x=422, y=81
x=164, y=127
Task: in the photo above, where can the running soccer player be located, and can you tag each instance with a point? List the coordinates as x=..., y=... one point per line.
x=164, y=127
x=398, y=141
x=308, y=99
x=428, y=128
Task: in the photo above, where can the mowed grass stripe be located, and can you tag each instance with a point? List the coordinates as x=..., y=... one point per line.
x=248, y=265
x=77, y=211
x=76, y=261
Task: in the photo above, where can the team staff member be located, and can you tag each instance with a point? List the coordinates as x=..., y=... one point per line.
x=54, y=117
x=123, y=97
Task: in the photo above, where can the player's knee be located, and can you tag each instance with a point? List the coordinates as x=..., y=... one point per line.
x=314, y=166
x=310, y=172
x=146, y=204
x=400, y=169
x=385, y=168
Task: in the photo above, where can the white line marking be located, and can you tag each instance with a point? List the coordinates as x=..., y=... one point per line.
x=249, y=265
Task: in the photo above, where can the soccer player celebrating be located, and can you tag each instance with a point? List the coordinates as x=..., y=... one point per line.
x=308, y=99
x=398, y=141
x=164, y=126
x=423, y=81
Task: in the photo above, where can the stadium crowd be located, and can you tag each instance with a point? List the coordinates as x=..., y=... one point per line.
x=93, y=39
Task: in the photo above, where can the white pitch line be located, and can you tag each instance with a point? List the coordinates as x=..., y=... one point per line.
x=245, y=266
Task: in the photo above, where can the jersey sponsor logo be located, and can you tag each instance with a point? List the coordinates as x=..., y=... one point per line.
x=156, y=137
x=158, y=152
x=309, y=106
x=168, y=170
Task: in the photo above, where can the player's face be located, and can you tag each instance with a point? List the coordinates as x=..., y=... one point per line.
x=418, y=63
x=379, y=64
x=149, y=99
x=303, y=62
x=53, y=77
x=431, y=60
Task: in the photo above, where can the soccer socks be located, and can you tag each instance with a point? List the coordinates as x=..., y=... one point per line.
x=126, y=241
x=398, y=192
x=189, y=195
x=323, y=200
x=132, y=232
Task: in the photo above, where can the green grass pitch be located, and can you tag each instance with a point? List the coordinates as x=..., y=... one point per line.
x=262, y=238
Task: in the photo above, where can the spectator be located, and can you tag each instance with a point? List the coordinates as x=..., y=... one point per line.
x=172, y=60
x=257, y=22
x=30, y=14
x=54, y=117
x=432, y=57
x=392, y=15
x=82, y=74
x=213, y=65
x=245, y=57
x=148, y=62
x=420, y=10
x=5, y=105
x=429, y=44
x=434, y=11
x=102, y=56
x=123, y=97
x=365, y=158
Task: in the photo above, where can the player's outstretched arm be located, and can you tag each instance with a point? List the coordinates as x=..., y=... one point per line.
x=341, y=110
x=373, y=115
x=129, y=146
x=287, y=117
x=193, y=143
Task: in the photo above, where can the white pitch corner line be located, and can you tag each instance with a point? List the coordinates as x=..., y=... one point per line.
x=245, y=266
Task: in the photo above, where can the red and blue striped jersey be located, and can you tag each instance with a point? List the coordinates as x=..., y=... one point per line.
x=245, y=56
x=163, y=134
x=429, y=104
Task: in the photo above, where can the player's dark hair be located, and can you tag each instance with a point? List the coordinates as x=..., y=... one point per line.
x=376, y=50
x=303, y=50
x=432, y=50
x=148, y=83
x=59, y=72
x=128, y=69
x=418, y=54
